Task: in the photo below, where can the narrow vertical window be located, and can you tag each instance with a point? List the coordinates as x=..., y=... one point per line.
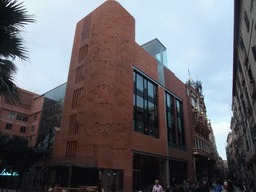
x=73, y=128
x=171, y=133
x=145, y=119
x=82, y=52
x=180, y=124
x=71, y=148
x=76, y=96
x=79, y=77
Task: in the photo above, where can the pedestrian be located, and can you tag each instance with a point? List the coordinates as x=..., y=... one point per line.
x=168, y=189
x=178, y=188
x=157, y=187
x=206, y=187
x=230, y=186
x=225, y=185
x=198, y=188
x=251, y=183
x=188, y=188
x=50, y=189
x=217, y=187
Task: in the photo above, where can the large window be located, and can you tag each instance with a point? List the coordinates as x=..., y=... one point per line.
x=171, y=133
x=180, y=125
x=145, y=118
x=175, y=124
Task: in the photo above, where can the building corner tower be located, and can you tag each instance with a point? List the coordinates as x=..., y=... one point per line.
x=97, y=114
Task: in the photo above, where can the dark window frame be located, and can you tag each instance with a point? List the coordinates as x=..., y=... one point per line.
x=23, y=129
x=8, y=126
x=33, y=129
x=25, y=118
x=11, y=115
x=143, y=115
x=19, y=117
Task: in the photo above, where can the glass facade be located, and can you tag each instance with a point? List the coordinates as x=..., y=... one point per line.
x=145, y=119
x=156, y=49
x=51, y=114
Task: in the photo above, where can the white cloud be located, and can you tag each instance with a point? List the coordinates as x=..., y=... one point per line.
x=221, y=128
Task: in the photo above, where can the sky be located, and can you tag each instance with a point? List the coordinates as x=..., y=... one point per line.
x=198, y=36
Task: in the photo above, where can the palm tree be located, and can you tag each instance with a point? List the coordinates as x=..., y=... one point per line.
x=13, y=18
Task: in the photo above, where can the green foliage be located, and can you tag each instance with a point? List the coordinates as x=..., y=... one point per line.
x=13, y=18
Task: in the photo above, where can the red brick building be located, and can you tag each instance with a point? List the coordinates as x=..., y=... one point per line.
x=23, y=119
x=125, y=116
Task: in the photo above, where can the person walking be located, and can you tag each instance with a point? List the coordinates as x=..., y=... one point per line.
x=178, y=188
x=217, y=187
x=157, y=187
x=168, y=189
x=206, y=187
x=188, y=188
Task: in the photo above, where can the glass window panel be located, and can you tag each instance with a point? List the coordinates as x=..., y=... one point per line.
x=139, y=82
x=150, y=107
x=179, y=125
x=139, y=102
x=145, y=84
x=169, y=119
x=145, y=105
x=178, y=106
x=168, y=100
x=150, y=90
x=140, y=126
x=144, y=113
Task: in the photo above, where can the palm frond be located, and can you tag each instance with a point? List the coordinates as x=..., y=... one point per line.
x=8, y=90
x=13, y=17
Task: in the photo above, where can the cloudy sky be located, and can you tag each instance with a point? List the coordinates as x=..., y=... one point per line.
x=198, y=35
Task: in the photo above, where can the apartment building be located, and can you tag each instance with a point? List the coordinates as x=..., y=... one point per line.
x=23, y=119
x=243, y=123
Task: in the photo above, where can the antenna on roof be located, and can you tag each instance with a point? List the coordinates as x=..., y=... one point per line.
x=188, y=71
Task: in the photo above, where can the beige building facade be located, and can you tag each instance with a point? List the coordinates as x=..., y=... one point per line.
x=243, y=123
